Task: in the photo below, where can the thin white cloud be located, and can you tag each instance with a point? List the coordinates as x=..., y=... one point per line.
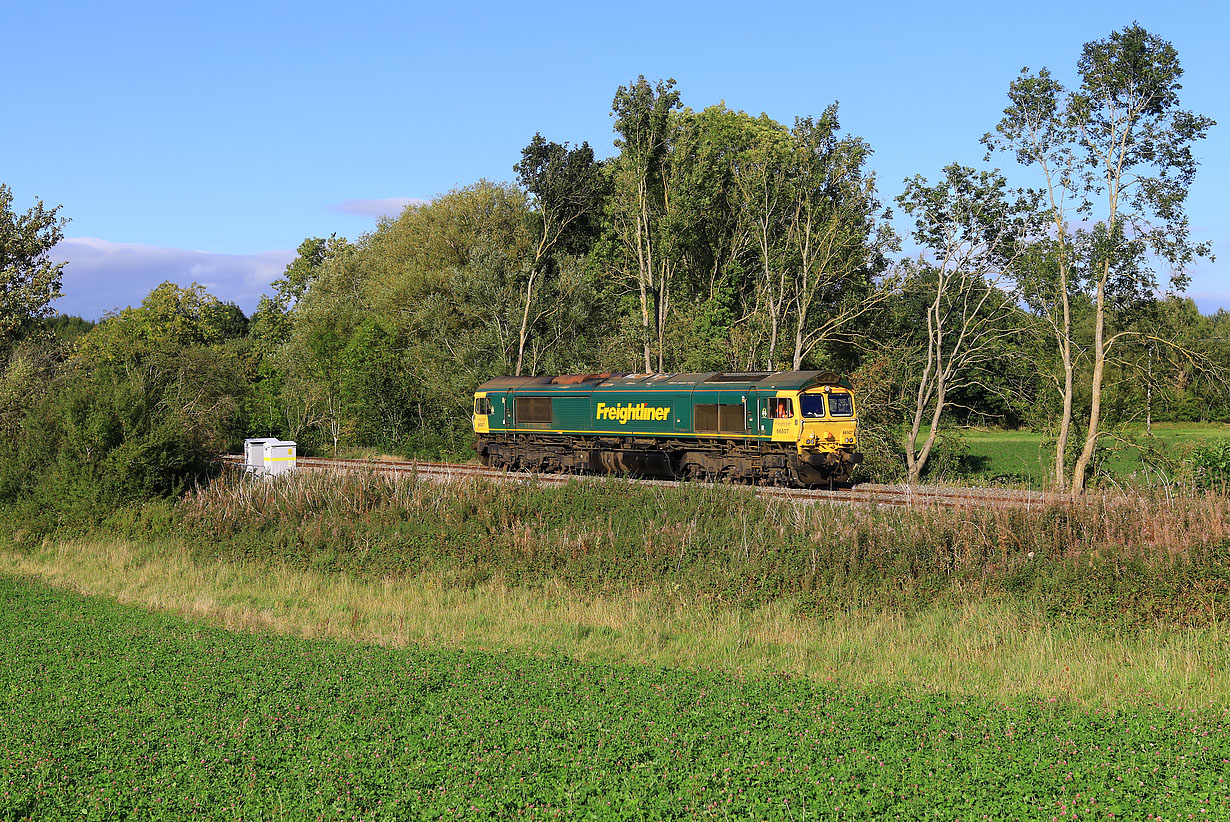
x=1210, y=301
x=389, y=207
x=102, y=276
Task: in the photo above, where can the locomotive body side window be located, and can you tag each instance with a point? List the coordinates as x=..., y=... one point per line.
x=534, y=410
x=841, y=405
x=730, y=419
x=705, y=417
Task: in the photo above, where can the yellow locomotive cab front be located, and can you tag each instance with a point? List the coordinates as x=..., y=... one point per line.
x=825, y=431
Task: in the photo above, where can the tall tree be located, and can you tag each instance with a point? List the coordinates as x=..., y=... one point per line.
x=836, y=235
x=566, y=188
x=644, y=123
x=762, y=182
x=29, y=280
x=1137, y=145
x=1035, y=129
x=1133, y=166
x=713, y=148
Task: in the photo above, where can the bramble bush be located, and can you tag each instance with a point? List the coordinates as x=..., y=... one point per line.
x=1211, y=465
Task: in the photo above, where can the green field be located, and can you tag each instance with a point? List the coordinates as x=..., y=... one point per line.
x=371, y=647
x=1026, y=457
x=113, y=712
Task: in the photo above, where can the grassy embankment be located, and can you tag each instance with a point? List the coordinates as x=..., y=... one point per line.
x=1120, y=601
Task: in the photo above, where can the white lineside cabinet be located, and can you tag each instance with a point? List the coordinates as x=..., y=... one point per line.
x=268, y=457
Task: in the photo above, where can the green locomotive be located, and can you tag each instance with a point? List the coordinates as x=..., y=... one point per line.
x=783, y=428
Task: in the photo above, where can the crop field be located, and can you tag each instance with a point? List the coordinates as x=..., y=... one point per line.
x=367, y=647
x=115, y=712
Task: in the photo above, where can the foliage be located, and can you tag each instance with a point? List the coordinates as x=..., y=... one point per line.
x=1210, y=464
x=710, y=240
x=142, y=408
x=974, y=230
x=29, y=280
x=170, y=316
x=567, y=190
x=1121, y=147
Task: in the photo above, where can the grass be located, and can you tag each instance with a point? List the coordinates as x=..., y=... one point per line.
x=114, y=712
x=1117, y=561
x=989, y=647
x=386, y=648
x=1026, y=457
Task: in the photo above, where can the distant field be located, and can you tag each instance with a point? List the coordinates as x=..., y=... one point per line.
x=113, y=712
x=1026, y=457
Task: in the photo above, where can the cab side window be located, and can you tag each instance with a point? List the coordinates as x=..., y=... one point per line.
x=781, y=409
x=482, y=406
x=535, y=411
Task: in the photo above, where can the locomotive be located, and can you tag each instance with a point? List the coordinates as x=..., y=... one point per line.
x=773, y=428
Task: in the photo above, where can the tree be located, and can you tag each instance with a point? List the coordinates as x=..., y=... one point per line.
x=1137, y=145
x=29, y=280
x=643, y=119
x=763, y=191
x=567, y=190
x=170, y=316
x=143, y=407
x=836, y=236
x=717, y=286
x=974, y=230
x=1035, y=129
x=1121, y=144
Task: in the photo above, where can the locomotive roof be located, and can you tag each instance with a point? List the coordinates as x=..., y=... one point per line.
x=715, y=380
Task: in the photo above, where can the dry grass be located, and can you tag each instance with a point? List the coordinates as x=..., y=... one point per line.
x=984, y=647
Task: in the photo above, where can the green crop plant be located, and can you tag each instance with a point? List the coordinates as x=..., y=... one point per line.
x=113, y=712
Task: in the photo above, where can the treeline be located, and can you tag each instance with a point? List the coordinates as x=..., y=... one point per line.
x=709, y=240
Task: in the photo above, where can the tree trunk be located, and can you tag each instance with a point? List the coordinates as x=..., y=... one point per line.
x=525, y=319
x=644, y=261
x=799, y=333
x=1095, y=401
x=915, y=460
x=918, y=463
x=662, y=309
x=768, y=366
x=1065, y=421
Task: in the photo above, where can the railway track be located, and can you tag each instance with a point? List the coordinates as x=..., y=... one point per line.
x=862, y=494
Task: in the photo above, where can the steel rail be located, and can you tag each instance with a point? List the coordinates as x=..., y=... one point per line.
x=862, y=494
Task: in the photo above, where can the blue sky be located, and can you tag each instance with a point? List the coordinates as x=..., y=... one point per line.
x=204, y=142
